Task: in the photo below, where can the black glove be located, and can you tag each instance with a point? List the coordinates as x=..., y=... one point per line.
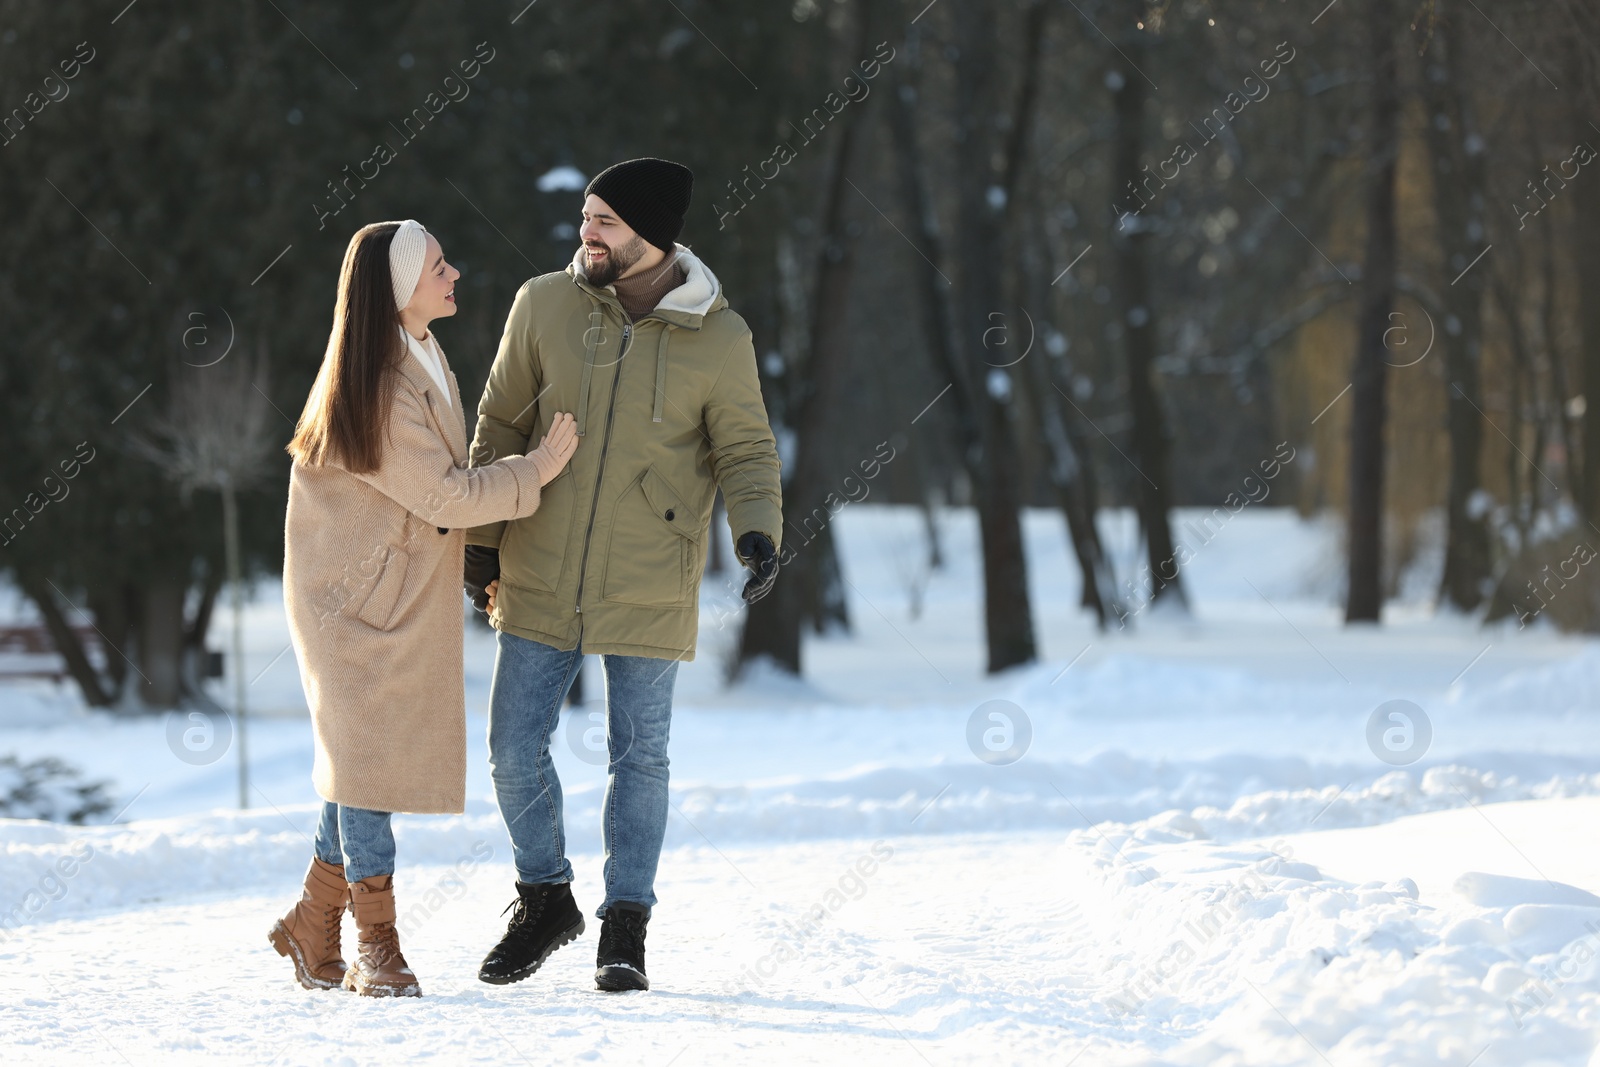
x=482, y=567
x=756, y=551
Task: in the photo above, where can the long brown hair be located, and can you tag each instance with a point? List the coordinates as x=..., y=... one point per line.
x=348, y=408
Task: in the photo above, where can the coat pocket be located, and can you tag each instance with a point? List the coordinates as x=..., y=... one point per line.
x=378, y=608
x=652, y=545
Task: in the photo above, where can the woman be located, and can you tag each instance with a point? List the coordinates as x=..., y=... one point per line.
x=379, y=501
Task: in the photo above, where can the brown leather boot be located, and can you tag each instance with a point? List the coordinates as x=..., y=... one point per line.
x=309, y=934
x=379, y=970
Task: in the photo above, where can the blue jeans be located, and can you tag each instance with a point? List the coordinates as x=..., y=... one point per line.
x=531, y=680
x=362, y=840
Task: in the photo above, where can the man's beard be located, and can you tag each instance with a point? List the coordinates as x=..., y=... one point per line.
x=617, y=262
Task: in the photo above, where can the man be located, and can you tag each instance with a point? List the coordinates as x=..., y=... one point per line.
x=637, y=340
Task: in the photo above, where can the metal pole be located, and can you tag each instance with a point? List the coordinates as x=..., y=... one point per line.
x=230, y=528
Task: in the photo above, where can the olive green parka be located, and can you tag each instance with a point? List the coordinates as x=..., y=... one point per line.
x=668, y=409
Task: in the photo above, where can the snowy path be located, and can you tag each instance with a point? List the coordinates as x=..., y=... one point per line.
x=1118, y=945
x=933, y=969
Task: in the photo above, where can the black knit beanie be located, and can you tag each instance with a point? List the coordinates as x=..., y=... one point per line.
x=650, y=195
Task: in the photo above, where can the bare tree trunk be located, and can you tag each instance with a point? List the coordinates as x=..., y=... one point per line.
x=1461, y=195
x=230, y=539
x=1547, y=401
x=95, y=692
x=930, y=525
x=1559, y=387
x=113, y=614
x=160, y=644
x=194, y=636
x=1067, y=460
x=1365, y=594
x=933, y=305
x=1008, y=612
x=145, y=624
x=1069, y=467
x=983, y=430
x=1581, y=24
x=1506, y=294
x=810, y=586
x=1586, y=206
x=1525, y=499
x=1067, y=471
x=1136, y=317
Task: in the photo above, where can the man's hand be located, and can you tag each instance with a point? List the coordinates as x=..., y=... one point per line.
x=756, y=551
x=480, y=575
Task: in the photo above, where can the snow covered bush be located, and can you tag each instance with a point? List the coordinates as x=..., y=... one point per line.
x=49, y=789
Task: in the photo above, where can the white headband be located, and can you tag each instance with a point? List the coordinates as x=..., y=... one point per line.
x=406, y=253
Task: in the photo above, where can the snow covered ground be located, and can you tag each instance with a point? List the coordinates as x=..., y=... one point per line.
x=1199, y=857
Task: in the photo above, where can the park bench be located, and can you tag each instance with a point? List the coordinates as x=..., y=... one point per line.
x=30, y=652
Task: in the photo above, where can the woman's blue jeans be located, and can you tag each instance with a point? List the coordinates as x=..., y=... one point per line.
x=362, y=840
x=531, y=680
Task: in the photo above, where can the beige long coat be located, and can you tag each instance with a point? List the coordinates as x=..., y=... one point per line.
x=372, y=583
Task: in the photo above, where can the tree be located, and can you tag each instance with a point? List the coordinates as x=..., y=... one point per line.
x=811, y=589
x=1457, y=150
x=1365, y=597
x=1126, y=48
x=979, y=181
x=220, y=435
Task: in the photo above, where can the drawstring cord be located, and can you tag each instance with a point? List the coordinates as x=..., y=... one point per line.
x=661, y=371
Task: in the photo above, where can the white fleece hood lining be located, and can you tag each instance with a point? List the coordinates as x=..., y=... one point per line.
x=694, y=297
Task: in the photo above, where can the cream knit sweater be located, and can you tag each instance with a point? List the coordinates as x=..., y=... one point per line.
x=426, y=352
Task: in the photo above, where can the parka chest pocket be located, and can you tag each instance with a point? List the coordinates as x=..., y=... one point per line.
x=653, y=541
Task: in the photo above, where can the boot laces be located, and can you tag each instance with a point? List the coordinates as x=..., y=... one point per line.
x=624, y=934
x=381, y=945
x=330, y=925
x=525, y=914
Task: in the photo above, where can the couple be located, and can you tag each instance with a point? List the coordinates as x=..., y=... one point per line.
x=624, y=393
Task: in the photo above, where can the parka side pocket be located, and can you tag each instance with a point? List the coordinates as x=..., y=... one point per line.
x=652, y=545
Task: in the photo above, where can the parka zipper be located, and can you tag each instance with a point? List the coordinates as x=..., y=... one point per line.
x=605, y=446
